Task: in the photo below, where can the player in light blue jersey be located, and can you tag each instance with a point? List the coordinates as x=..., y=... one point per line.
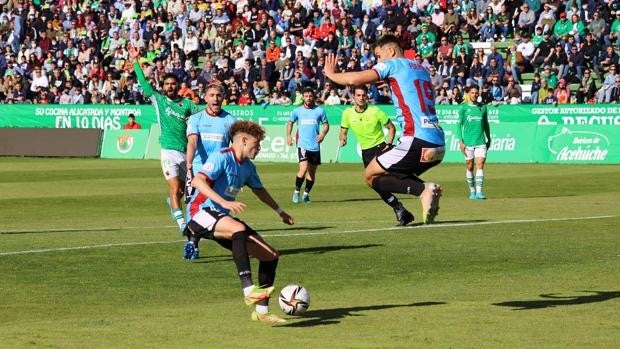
x=309, y=118
x=218, y=183
x=421, y=145
x=207, y=132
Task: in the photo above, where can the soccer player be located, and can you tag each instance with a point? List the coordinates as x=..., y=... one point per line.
x=474, y=135
x=172, y=113
x=218, y=183
x=422, y=144
x=367, y=121
x=207, y=132
x=308, y=117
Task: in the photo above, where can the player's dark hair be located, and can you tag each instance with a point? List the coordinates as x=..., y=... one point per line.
x=249, y=127
x=170, y=76
x=360, y=87
x=308, y=89
x=386, y=39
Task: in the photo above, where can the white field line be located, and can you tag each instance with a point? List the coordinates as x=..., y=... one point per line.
x=373, y=230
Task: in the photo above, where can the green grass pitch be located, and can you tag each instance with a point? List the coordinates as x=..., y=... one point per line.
x=89, y=258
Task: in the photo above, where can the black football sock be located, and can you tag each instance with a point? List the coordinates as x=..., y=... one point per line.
x=392, y=184
x=309, y=185
x=299, y=181
x=388, y=198
x=267, y=275
x=241, y=257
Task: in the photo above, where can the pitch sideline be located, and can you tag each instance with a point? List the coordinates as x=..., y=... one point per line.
x=392, y=228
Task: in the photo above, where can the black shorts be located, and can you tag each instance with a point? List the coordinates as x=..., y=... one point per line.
x=411, y=156
x=203, y=225
x=313, y=157
x=371, y=153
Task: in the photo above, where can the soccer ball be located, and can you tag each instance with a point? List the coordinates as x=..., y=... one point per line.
x=294, y=299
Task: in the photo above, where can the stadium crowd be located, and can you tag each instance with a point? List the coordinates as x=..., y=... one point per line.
x=264, y=52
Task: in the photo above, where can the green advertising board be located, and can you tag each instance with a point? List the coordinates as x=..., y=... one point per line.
x=124, y=144
x=521, y=133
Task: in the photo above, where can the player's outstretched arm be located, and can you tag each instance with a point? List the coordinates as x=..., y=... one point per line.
x=263, y=195
x=348, y=78
x=146, y=86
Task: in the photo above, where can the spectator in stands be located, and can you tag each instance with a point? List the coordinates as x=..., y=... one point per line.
x=576, y=65
x=476, y=71
x=587, y=87
x=514, y=92
x=614, y=32
x=604, y=93
x=597, y=27
x=559, y=59
x=515, y=63
x=526, y=21
x=493, y=71
x=445, y=49
x=591, y=51
x=563, y=27
x=578, y=30
x=546, y=19
x=550, y=76
x=442, y=97
x=497, y=90
x=526, y=49
x=487, y=28
x=615, y=92
x=472, y=24
x=550, y=98
x=562, y=92
x=535, y=88
x=608, y=59
x=425, y=33
x=451, y=23
x=496, y=56
x=544, y=49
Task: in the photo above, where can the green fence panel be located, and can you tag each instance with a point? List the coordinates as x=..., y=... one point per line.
x=124, y=144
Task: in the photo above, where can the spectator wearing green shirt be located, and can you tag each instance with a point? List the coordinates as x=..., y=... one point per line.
x=578, y=29
x=563, y=27
x=426, y=49
x=425, y=33
x=474, y=135
x=367, y=122
x=614, y=32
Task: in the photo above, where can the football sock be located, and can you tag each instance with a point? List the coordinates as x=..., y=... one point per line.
x=309, y=185
x=266, y=276
x=267, y=272
x=262, y=309
x=241, y=257
x=479, y=180
x=389, y=199
x=298, y=182
x=392, y=184
x=470, y=181
x=177, y=214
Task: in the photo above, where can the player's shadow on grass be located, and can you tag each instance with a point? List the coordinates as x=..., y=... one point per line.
x=333, y=316
x=294, y=228
x=350, y=200
x=284, y=252
x=323, y=249
x=553, y=300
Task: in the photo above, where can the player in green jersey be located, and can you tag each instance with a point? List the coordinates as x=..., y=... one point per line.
x=474, y=135
x=172, y=112
x=366, y=122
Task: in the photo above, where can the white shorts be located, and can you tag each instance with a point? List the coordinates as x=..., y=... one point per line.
x=173, y=163
x=477, y=151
